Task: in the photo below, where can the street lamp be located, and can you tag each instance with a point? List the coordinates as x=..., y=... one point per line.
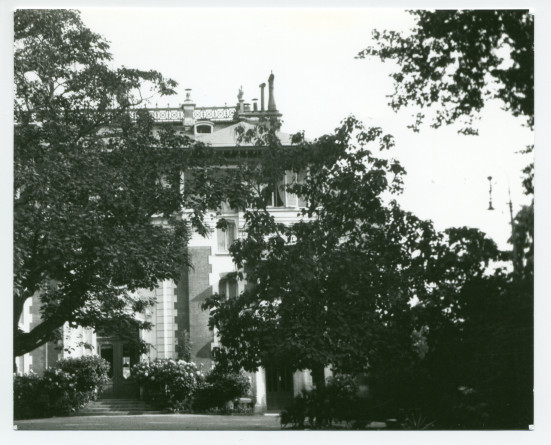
x=490, y=206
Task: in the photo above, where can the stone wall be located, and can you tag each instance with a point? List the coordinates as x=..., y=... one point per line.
x=199, y=289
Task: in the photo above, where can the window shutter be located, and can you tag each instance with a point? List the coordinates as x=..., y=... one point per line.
x=230, y=234
x=221, y=235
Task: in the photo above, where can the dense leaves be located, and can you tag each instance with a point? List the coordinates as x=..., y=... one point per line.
x=315, y=283
x=168, y=383
x=62, y=390
x=220, y=387
x=179, y=385
x=97, y=191
x=476, y=331
x=457, y=60
x=357, y=284
x=336, y=403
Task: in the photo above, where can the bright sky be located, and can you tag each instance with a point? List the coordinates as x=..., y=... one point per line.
x=318, y=82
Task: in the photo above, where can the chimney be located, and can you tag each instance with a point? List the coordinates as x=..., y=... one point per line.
x=271, y=99
x=189, y=108
x=255, y=104
x=262, y=86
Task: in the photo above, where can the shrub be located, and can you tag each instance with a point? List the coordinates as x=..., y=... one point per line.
x=338, y=401
x=63, y=389
x=28, y=398
x=168, y=383
x=183, y=348
x=221, y=386
x=63, y=396
x=90, y=372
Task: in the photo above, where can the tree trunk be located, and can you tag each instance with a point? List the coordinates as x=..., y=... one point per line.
x=24, y=342
x=18, y=306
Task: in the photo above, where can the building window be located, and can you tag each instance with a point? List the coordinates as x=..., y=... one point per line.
x=226, y=236
x=276, y=195
x=301, y=179
x=203, y=129
x=228, y=288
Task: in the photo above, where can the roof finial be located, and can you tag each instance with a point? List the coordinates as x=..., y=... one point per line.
x=188, y=94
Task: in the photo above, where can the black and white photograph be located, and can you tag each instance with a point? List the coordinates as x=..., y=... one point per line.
x=270, y=218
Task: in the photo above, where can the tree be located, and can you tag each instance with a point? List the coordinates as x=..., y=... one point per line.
x=479, y=328
x=457, y=60
x=336, y=286
x=97, y=196
x=454, y=61
x=476, y=326
x=370, y=290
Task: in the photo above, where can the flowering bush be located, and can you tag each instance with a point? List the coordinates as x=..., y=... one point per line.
x=90, y=372
x=61, y=390
x=168, y=383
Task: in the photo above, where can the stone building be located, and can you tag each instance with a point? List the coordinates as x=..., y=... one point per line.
x=178, y=305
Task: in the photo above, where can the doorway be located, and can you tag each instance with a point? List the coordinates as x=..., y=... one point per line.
x=279, y=387
x=121, y=355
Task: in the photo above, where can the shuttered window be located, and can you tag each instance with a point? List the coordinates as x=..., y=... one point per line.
x=226, y=236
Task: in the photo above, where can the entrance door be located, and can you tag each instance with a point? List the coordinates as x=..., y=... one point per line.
x=279, y=387
x=121, y=356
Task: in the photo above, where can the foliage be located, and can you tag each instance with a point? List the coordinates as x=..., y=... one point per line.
x=416, y=421
x=367, y=288
x=180, y=387
x=220, y=386
x=96, y=193
x=476, y=370
x=61, y=390
x=28, y=397
x=456, y=60
x=183, y=348
x=313, y=294
x=90, y=371
x=63, y=394
x=489, y=354
x=522, y=239
x=336, y=403
x=168, y=383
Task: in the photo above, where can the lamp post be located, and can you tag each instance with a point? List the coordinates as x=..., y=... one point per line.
x=490, y=206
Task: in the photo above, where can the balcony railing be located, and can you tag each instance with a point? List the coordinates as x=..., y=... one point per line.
x=215, y=114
